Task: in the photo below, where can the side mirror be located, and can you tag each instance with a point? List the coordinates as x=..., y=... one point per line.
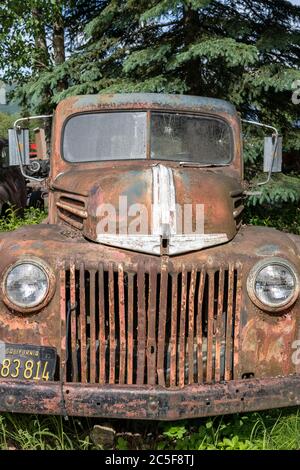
x=22, y=157
x=273, y=150
x=273, y=154
x=18, y=149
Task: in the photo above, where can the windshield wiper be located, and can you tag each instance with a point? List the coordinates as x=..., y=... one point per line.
x=201, y=165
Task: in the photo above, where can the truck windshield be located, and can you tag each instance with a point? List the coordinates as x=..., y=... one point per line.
x=187, y=138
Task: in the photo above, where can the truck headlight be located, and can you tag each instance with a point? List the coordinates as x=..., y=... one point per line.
x=273, y=284
x=27, y=285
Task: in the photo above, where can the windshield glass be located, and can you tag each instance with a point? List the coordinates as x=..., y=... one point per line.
x=190, y=138
x=105, y=136
x=123, y=136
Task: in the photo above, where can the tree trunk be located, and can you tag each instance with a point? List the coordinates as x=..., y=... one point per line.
x=193, y=68
x=58, y=42
x=42, y=56
x=42, y=60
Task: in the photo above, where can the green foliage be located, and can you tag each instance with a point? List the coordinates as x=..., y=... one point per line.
x=12, y=221
x=244, y=51
x=6, y=122
x=281, y=189
x=29, y=432
x=35, y=36
x=286, y=217
x=240, y=50
x=122, y=444
x=233, y=52
x=175, y=432
x=274, y=430
x=270, y=430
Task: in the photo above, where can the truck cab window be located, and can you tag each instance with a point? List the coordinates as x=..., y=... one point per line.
x=190, y=138
x=93, y=137
x=105, y=136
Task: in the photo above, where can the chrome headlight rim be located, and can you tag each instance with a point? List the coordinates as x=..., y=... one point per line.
x=273, y=308
x=39, y=263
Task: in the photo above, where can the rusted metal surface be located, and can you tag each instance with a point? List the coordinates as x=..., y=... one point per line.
x=151, y=319
x=63, y=324
x=134, y=181
x=83, y=324
x=101, y=324
x=148, y=402
x=122, y=325
x=142, y=335
x=174, y=337
x=112, y=336
x=261, y=345
x=141, y=326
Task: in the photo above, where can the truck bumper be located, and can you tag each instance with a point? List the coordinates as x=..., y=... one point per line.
x=153, y=403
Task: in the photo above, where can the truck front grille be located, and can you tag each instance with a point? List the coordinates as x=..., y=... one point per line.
x=146, y=327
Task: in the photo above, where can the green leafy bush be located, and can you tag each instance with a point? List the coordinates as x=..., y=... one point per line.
x=12, y=221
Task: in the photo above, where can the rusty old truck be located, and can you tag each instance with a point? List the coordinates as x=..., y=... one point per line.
x=144, y=296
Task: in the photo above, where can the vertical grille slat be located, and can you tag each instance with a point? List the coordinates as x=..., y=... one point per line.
x=181, y=359
x=219, y=325
x=173, y=341
x=64, y=327
x=238, y=304
x=73, y=320
x=101, y=335
x=151, y=320
x=112, y=331
x=141, y=329
x=163, y=296
x=210, y=326
x=130, y=329
x=82, y=326
x=191, y=326
x=122, y=326
x=200, y=326
x=147, y=326
x=229, y=332
x=92, y=327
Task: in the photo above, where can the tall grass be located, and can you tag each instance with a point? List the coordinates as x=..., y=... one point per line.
x=30, y=432
x=276, y=430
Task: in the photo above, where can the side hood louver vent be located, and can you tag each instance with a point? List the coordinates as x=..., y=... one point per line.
x=72, y=210
x=238, y=206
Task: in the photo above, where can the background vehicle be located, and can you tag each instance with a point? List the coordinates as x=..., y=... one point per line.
x=12, y=183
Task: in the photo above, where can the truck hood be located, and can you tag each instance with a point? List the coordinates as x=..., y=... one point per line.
x=156, y=209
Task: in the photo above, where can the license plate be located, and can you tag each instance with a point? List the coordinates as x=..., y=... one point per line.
x=27, y=362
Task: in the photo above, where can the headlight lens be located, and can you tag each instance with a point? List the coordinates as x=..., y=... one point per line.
x=26, y=284
x=273, y=285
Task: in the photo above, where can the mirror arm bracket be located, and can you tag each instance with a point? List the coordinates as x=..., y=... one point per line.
x=16, y=127
x=276, y=135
